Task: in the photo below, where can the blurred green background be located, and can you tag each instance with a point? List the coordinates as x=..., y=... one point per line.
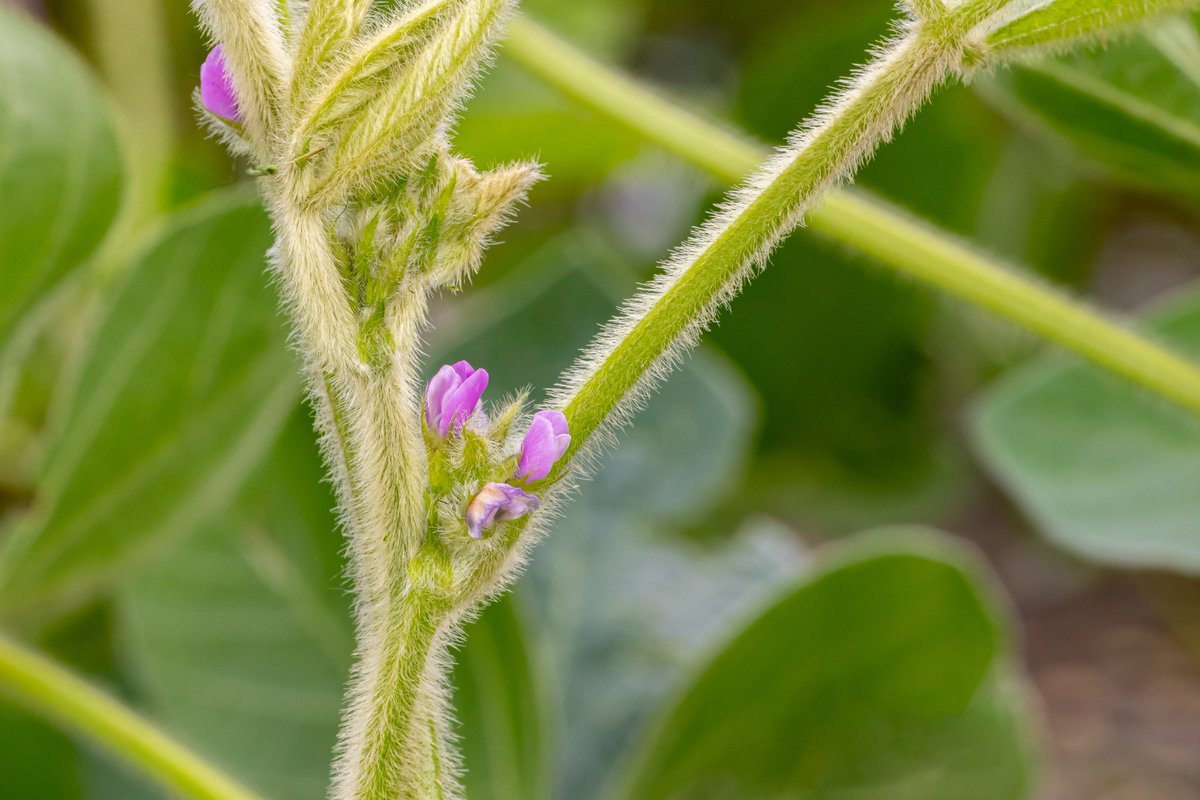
x=831, y=399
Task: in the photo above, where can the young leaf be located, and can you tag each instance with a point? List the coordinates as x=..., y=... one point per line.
x=1104, y=470
x=60, y=169
x=1132, y=108
x=1057, y=22
x=183, y=389
x=878, y=676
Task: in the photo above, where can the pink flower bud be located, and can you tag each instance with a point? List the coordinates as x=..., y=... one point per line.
x=216, y=89
x=495, y=503
x=452, y=395
x=547, y=440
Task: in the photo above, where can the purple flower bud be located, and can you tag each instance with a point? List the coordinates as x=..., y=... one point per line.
x=216, y=89
x=498, y=502
x=547, y=440
x=452, y=395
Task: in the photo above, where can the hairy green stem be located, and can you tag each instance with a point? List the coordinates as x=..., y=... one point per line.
x=858, y=220
x=642, y=343
x=52, y=692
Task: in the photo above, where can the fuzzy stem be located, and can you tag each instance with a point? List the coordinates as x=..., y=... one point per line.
x=654, y=329
x=858, y=220
x=56, y=694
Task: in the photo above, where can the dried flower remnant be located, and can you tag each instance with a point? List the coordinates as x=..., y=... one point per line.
x=216, y=88
x=496, y=503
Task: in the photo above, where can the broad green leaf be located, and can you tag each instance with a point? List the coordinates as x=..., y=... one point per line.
x=1133, y=108
x=243, y=637
x=503, y=729
x=242, y=632
x=184, y=387
x=60, y=168
x=36, y=761
x=876, y=676
x=1104, y=470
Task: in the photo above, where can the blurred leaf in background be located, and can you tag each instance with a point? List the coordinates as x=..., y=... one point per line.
x=181, y=390
x=60, y=168
x=1132, y=110
x=1105, y=471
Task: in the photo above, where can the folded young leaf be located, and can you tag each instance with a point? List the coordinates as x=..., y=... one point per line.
x=1062, y=22
x=1132, y=109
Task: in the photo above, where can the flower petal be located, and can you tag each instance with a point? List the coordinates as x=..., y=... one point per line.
x=544, y=445
x=495, y=503
x=460, y=403
x=216, y=89
x=445, y=382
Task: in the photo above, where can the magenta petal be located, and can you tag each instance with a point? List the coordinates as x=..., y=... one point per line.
x=460, y=403
x=216, y=89
x=463, y=369
x=445, y=382
x=544, y=445
x=496, y=503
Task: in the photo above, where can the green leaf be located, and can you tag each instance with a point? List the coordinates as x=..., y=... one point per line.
x=37, y=762
x=503, y=729
x=242, y=633
x=60, y=169
x=877, y=676
x=1133, y=108
x=184, y=387
x=1058, y=21
x=1104, y=470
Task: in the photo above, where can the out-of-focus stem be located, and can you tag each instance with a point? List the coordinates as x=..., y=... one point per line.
x=54, y=693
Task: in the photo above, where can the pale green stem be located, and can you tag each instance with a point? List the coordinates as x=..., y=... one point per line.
x=868, y=225
x=56, y=694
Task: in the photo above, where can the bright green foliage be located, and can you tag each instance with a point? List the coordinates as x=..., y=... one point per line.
x=881, y=675
x=1105, y=471
x=1133, y=108
x=1059, y=22
x=60, y=169
x=184, y=386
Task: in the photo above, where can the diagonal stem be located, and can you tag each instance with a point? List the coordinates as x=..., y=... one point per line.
x=858, y=220
x=54, y=693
